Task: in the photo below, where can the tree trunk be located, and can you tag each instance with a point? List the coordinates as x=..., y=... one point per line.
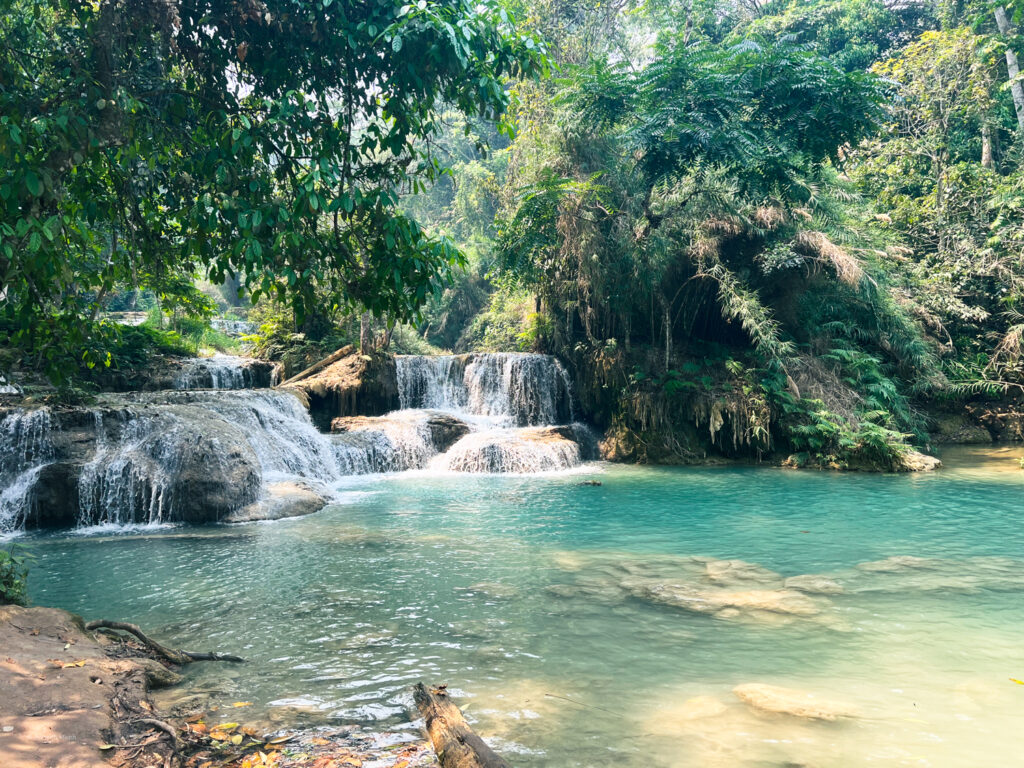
x=668, y=337
x=365, y=332
x=1012, y=67
x=334, y=357
x=455, y=743
x=986, y=147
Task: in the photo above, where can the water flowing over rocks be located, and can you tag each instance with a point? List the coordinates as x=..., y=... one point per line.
x=225, y=372
x=210, y=448
x=458, y=413
x=153, y=457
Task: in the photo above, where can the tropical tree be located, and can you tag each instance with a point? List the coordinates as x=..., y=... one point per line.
x=144, y=142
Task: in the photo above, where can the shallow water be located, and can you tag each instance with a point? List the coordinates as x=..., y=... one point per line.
x=542, y=604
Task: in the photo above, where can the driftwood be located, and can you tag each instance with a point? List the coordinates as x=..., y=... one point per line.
x=455, y=743
x=334, y=357
x=171, y=654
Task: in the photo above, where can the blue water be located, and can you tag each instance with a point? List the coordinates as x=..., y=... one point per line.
x=532, y=598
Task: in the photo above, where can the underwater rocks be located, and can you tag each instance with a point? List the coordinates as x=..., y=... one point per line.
x=726, y=603
x=814, y=585
x=739, y=590
x=787, y=701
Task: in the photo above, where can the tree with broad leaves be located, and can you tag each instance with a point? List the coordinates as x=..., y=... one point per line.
x=144, y=142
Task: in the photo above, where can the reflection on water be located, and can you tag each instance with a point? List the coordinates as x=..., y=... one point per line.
x=609, y=625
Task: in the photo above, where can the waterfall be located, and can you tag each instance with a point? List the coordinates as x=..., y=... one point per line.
x=189, y=456
x=502, y=398
x=431, y=382
x=216, y=372
x=522, y=451
x=215, y=446
x=25, y=448
x=276, y=425
x=512, y=389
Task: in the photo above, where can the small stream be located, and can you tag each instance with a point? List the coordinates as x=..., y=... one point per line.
x=557, y=612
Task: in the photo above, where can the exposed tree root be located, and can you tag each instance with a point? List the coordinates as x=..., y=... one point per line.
x=171, y=654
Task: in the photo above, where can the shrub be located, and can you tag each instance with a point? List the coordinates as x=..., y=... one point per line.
x=14, y=575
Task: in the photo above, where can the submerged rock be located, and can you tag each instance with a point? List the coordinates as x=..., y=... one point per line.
x=739, y=573
x=814, y=585
x=725, y=603
x=787, y=701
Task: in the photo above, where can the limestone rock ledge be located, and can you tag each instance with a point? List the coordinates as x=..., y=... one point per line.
x=285, y=499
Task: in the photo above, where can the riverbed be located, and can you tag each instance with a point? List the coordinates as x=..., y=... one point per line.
x=605, y=625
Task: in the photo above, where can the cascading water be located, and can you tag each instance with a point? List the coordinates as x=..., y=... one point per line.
x=503, y=399
x=199, y=455
x=25, y=448
x=512, y=389
x=216, y=372
x=159, y=457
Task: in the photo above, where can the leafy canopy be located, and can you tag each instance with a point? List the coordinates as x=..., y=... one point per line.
x=144, y=142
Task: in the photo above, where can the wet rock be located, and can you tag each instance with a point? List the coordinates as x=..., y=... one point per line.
x=445, y=430
x=814, y=585
x=355, y=385
x=285, y=499
x=915, y=461
x=787, y=701
x=442, y=430
x=530, y=449
x=157, y=675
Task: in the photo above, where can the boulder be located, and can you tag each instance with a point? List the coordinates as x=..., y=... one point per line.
x=446, y=430
x=915, y=461
x=787, y=701
x=442, y=429
x=286, y=499
x=356, y=384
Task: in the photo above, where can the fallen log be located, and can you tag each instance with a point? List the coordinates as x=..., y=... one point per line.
x=455, y=743
x=334, y=357
x=171, y=654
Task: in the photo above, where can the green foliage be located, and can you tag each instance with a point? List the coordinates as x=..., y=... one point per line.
x=14, y=563
x=146, y=143
x=825, y=439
